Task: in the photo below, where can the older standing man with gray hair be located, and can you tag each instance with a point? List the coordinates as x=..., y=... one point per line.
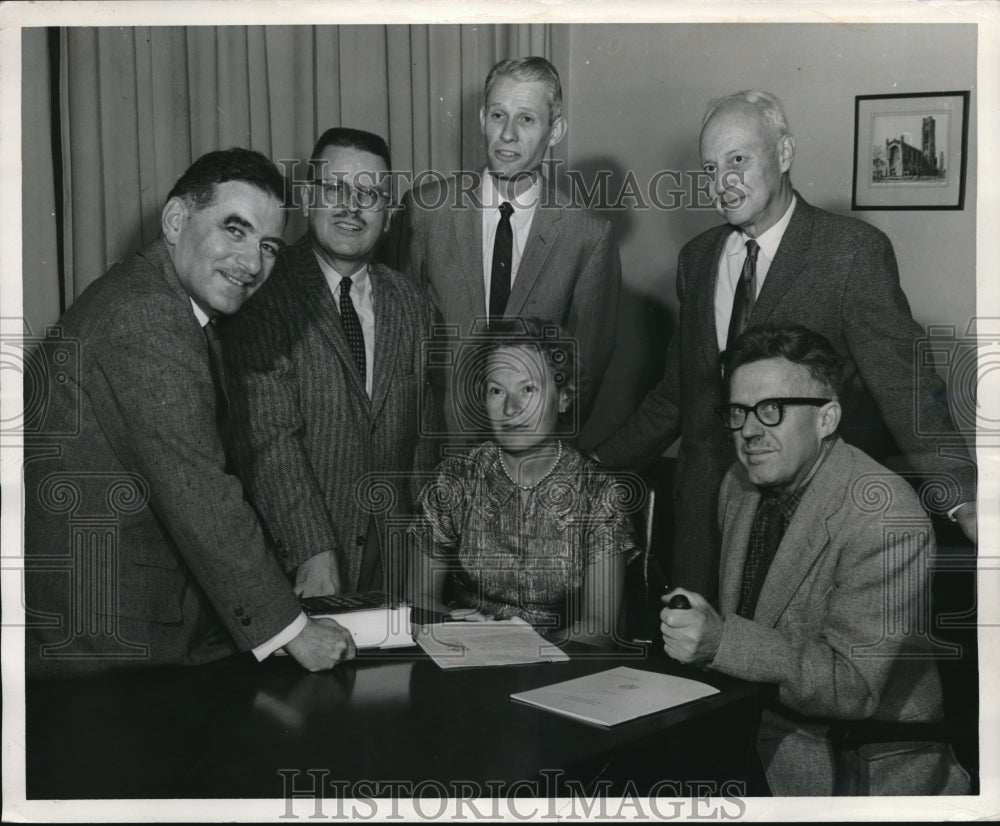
x=778, y=259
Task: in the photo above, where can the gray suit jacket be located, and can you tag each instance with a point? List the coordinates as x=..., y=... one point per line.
x=570, y=272
x=837, y=276
x=836, y=625
x=137, y=465
x=317, y=455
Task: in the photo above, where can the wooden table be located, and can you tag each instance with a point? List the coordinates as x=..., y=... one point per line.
x=389, y=724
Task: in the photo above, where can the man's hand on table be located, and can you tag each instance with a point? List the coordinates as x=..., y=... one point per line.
x=322, y=644
x=690, y=635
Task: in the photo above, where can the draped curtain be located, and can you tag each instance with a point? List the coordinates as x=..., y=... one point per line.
x=136, y=106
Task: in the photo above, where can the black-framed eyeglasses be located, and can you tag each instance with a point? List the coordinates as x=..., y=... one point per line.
x=339, y=193
x=769, y=412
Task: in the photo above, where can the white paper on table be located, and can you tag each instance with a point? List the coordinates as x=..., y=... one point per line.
x=478, y=644
x=615, y=696
x=376, y=627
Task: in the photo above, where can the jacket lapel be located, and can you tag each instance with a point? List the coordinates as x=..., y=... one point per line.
x=320, y=306
x=387, y=333
x=705, y=307
x=544, y=235
x=790, y=260
x=737, y=522
x=806, y=538
x=469, y=232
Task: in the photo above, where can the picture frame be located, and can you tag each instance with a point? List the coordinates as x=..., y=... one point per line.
x=910, y=150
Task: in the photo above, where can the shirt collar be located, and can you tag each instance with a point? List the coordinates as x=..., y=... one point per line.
x=523, y=203
x=767, y=241
x=199, y=313
x=770, y=240
x=359, y=278
x=789, y=503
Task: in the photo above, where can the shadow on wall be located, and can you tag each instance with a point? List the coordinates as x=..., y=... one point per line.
x=601, y=184
x=646, y=321
x=645, y=328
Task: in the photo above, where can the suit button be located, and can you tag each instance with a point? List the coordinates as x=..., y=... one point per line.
x=359, y=541
x=238, y=612
x=245, y=621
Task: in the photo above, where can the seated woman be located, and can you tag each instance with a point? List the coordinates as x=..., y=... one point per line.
x=524, y=525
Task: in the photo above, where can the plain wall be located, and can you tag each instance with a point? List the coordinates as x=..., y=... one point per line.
x=635, y=95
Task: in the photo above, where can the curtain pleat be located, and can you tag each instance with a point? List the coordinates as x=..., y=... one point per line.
x=40, y=237
x=400, y=86
x=139, y=105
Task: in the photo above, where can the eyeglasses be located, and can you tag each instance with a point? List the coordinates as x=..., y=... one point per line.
x=337, y=193
x=769, y=412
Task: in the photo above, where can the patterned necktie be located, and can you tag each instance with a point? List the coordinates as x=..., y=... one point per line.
x=746, y=294
x=766, y=534
x=216, y=367
x=352, y=327
x=503, y=246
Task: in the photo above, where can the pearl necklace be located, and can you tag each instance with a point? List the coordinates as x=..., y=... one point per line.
x=548, y=473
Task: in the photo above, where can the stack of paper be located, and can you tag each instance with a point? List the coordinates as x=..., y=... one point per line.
x=371, y=620
x=477, y=644
x=614, y=696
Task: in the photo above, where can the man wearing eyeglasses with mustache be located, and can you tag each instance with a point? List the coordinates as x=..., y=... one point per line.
x=810, y=574
x=327, y=378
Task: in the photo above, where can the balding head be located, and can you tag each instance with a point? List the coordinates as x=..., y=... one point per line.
x=747, y=149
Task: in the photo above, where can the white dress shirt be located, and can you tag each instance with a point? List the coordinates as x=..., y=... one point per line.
x=520, y=223
x=731, y=267
x=363, y=298
x=293, y=629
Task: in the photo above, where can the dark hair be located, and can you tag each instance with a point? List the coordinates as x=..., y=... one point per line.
x=197, y=185
x=791, y=342
x=528, y=69
x=349, y=139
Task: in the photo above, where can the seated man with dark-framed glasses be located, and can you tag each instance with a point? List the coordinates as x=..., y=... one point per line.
x=823, y=584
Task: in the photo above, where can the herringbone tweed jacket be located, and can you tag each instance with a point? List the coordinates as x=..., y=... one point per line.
x=317, y=455
x=130, y=490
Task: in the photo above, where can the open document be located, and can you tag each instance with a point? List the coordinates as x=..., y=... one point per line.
x=615, y=696
x=477, y=644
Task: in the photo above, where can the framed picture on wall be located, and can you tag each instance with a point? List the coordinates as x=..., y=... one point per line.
x=910, y=150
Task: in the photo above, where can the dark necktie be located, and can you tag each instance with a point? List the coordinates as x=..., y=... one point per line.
x=746, y=294
x=503, y=247
x=352, y=327
x=765, y=536
x=216, y=366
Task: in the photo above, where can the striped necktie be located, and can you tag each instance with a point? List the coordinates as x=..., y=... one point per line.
x=746, y=294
